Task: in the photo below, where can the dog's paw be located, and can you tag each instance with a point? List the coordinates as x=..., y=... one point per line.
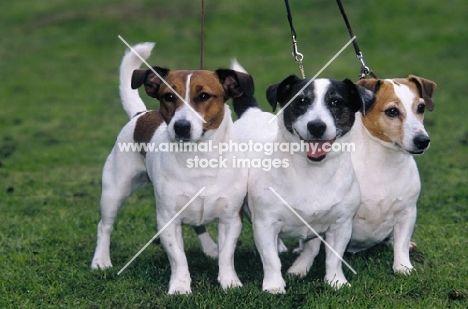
x=274, y=287
x=402, y=269
x=211, y=251
x=101, y=263
x=229, y=282
x=209, y=247
x=281, y=246
x=296, y=270
x=179, y=287
x=338, y=283
x=412, y=246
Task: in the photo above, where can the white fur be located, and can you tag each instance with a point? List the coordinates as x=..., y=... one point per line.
x=131, y=100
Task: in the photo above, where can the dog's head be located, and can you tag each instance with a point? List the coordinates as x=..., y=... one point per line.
x=397, y=116
x=318, y=114
x=198, y=95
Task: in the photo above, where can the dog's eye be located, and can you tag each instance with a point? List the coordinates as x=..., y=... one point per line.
x=303, y=100
x=169, y=97
x=420, y=108
x=203, y=97
x=336, y=102
x=392, y=112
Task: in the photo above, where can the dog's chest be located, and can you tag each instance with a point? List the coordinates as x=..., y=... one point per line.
x=319, y=203
x=222, y=195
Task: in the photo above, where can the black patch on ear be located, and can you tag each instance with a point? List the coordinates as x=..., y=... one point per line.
x=283, y=92
x=148, y=78
x=355, y=99
x=368, y=99
x=279, y=93
x=236, y=83
x=426, y=89
x=240, y=87
x=138, y=78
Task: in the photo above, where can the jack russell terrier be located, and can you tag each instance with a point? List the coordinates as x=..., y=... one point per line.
x=199, y=95
x=385, y=138
x=320, y=185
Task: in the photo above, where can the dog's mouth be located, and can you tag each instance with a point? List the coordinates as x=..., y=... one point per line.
x=317, y=150
x=419, y=152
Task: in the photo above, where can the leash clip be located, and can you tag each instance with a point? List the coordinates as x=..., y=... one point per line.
x=296, y=54
x=364, y=68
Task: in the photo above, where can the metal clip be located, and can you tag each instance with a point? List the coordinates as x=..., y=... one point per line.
x=296, y=54
x=364, y=68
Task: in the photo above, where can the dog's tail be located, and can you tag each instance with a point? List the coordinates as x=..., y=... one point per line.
x=244, y=102
x=131, y=101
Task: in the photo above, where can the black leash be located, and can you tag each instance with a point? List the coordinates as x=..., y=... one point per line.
x=202, y=36
x=364, y=69
x=296, y=54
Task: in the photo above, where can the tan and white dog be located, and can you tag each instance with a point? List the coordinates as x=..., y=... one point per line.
x=199, y=95
x=386, y=137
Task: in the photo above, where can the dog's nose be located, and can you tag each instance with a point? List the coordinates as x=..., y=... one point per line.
x=182, y=128
x=421, y=141
x=316, y=127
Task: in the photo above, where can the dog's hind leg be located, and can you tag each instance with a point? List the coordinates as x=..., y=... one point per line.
x=123, y=173
x=209, y=246
x=304, y=261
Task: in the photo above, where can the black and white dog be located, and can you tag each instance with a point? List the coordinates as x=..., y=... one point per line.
x=318, y=184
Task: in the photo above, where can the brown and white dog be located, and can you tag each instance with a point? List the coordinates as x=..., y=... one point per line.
x=197, y=113
x=386, y=137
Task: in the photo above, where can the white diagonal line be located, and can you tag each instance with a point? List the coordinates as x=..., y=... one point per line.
x=164, y=81
x=313, y=231
x=160, y=231
x=313, y=78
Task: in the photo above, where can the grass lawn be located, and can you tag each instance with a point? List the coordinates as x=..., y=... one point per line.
x=60, y=114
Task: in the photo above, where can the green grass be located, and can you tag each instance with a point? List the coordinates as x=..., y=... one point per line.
x=60, y=114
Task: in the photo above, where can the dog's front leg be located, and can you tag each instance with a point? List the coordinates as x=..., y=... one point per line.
x=304, y=261
x=228, y=233
x=171, y=239
x=337, y=236
x=402, y=232
x=266, y=241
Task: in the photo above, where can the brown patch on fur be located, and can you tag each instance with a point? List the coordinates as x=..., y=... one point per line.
x=375, y=119
x=213, y=108
x=201, y=82
x=145, y=127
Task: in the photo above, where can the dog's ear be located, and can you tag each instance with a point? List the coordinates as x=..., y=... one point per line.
x=370, y=84
x=361, y=99
x=278, y=93
x=365, y=97
x=426, y=89
x=148, y=78
x=367, y=89
x=236, y=83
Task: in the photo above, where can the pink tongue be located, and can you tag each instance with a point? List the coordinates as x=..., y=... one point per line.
x=316, y=150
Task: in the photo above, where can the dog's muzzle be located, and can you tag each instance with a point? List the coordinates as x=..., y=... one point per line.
x=182, y=129
x=421, y=142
